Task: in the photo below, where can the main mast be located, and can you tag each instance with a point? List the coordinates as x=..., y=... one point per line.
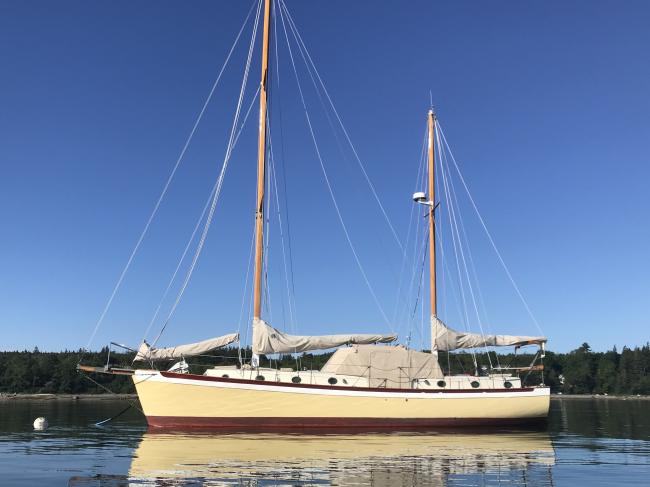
x=432, y=208
x=261, y=166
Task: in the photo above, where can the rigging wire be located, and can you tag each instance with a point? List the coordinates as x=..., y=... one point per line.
x=327, y=181
x=245, y=294
x=478, y=299
x=303, y=48
x=196, y=228
x=318, y=88
x=220, y=179
x=167, y=184
x=489, y=235
x=282, y=164
x=400, y=280
x=452, y=201
x=290, y=298
x=267, y=230
x=453, y=229
x=419, y=247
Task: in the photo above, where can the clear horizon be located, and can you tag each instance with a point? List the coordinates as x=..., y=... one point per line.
x=544, y=106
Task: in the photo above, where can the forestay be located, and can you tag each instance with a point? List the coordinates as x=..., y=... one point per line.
x=146, y=352
x=267, y=339
x=444, y=338
x=385, y=366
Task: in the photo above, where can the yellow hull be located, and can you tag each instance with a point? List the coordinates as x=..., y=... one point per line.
x=182, y=400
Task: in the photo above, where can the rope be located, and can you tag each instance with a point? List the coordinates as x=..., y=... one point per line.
x=478, y=303
x=452, y=201
x=245, y=293
x=220, y=179
x=400, y=281
x=193, y=235
x=132, y=404
x=167, y=184
x=457, y=251
x=290, y=298
x=489, y=235
x=283, y=172
x=327, y=181
x=303, y=49
x=266, y=288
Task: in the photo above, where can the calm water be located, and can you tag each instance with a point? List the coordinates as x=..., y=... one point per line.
x=588, y=442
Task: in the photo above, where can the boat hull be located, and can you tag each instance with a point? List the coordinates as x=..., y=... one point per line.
x=184, y=401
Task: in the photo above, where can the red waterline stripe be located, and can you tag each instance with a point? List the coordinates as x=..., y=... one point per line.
x=333, y=424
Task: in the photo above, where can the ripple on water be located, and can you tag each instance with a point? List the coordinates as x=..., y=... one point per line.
x=583, y=445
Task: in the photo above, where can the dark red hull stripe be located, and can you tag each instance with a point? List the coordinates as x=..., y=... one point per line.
x=333, y=424
x=174, y=375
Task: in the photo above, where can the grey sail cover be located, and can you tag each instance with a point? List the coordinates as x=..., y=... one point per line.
x=267, y=339
x=444, y=338
x=146, y=352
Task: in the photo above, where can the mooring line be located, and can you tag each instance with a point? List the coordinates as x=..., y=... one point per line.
x=132, y=404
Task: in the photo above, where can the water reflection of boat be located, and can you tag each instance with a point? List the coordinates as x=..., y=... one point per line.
x=378, y=459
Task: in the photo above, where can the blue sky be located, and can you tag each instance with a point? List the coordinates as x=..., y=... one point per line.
x=544, y=103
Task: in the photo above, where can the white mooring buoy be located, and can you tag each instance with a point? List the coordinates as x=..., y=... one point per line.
x=40, y=423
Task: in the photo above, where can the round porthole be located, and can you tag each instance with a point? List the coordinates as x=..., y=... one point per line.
x=225, y=376
x=507, y=384
x=442, y=383
x=332, y=380
x=475, y=384
x=259, y=377
x=296, y=380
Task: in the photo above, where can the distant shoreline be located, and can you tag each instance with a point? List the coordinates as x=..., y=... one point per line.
x=598, y=396
x=126, y=397
x=66, y=397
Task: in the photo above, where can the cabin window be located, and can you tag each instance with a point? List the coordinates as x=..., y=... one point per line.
x=296, y=380
x=507, y=384
x=259, y=377
x=225, y=376
x=427, y=382
x=442, y=383
x=475, y=384
x=332, y=380
x=344, y=381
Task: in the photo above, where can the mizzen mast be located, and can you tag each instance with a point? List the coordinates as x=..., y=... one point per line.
x=432, y=208
x=261, y=166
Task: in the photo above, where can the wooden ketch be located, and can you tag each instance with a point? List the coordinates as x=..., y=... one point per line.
x=364, y=386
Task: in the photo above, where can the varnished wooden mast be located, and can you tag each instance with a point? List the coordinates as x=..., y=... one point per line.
x=432, y=221
x=261, y=167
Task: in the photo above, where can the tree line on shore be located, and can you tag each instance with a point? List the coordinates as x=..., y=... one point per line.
x=581, y=371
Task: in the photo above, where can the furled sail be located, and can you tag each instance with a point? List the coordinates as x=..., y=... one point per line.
x=146, y=352
x=444, y=338
x=267, y=339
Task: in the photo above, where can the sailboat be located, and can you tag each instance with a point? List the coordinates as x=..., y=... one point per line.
x=369, y=383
